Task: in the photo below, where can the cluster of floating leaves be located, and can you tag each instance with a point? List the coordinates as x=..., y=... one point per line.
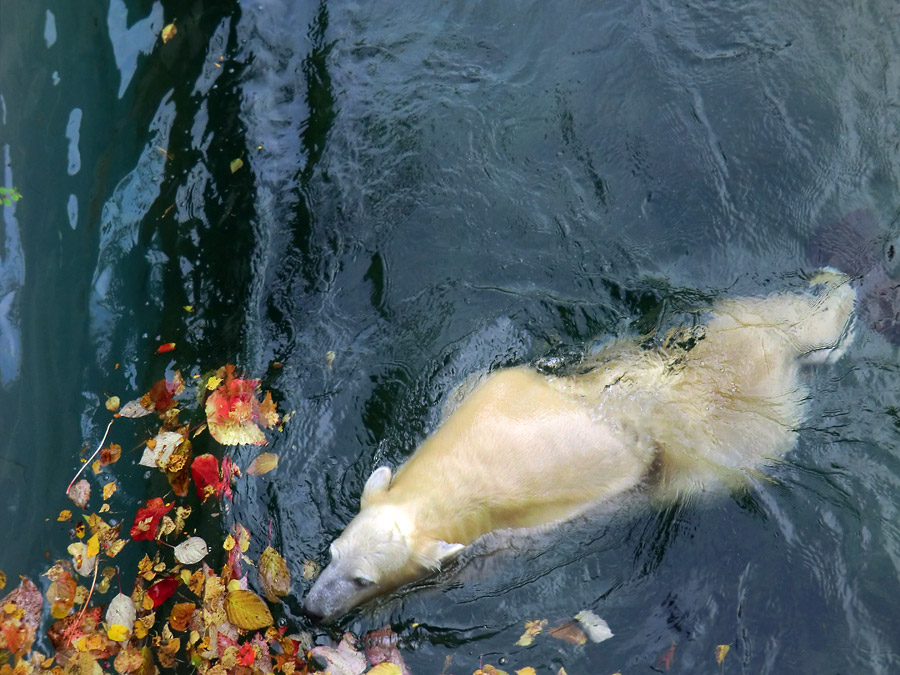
x=179, y=610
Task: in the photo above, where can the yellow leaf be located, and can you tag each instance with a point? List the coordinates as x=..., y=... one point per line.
x=234, y=585
x=169, y=32
x=526, y=671
x=721, y=651
x=2, y=579
x=117, y=632
x=97, y=466
x=93, y=546
x=213, y=382
x=236, y=164
x=532, y=630
x=264, y=463
x=386, y=668
x=64, y=515
x=112, y=403
x=108, y=490
x=246, y=610
x=229, y=543
x=188, y=308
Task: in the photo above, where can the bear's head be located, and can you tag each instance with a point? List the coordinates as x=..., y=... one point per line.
x=378, y=552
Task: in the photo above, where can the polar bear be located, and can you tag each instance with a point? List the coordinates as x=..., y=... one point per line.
x=529, y=450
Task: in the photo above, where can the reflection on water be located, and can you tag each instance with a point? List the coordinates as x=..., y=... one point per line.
x=432, y=189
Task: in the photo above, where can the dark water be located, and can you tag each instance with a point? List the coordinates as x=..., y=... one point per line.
x=431, y=189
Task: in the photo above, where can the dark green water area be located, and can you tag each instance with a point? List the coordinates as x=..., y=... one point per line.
x=428, y=190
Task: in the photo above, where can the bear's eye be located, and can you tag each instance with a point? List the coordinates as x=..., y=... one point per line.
x=362, y=581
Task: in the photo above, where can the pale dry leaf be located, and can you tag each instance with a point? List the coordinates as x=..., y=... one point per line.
x=164, y=445
x=121, y=612
x=190, y=551
x=134, y=409
x=80, y=493
x=596, y=628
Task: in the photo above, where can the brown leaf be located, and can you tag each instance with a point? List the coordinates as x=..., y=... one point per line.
x=111, y=454
x=569, y=632
x=245, y=609
x=181, y=615
x=274, y=575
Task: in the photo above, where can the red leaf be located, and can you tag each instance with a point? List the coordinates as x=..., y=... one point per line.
x=147, y=520
x=167, y=347
x=207, y=479
x=163, y=590
x=161, y=395
x=247, y=655
x=666, y=659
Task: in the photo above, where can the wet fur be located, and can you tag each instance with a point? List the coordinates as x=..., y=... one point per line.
x=525, y=450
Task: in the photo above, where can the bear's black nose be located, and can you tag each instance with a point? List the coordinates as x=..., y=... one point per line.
x=312, y=614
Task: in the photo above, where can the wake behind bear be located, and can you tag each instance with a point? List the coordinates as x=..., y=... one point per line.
x=528, y=450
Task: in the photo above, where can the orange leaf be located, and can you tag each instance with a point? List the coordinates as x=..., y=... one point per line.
x=167, y=347
x=181, y=615
x=569, y=632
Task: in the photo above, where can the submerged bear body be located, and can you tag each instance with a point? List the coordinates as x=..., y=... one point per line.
x=527, y=450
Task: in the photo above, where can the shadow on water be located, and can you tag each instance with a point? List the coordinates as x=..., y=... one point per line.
x=430, y=190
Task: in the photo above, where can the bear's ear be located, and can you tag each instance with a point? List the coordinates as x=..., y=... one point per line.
x=437, y=551
x=379, y=481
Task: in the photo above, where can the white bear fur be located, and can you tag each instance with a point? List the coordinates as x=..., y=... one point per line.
x=527, y=450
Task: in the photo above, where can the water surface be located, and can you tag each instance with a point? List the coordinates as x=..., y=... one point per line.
x=429, y=190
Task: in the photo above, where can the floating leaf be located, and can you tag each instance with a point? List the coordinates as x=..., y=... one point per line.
x=532, y=630
x=64, y=515
x=159, y=449
x=112, y=403
x=108, y=490
x=111, y=454
x=526, y=671
x=345, y=660
x=233, y=410
x=721, y=652
x=181, y=615
x=207, y=479
x=167, y=347
x=596, y=628
x=311, y=569
x=268, y=414
x=263, y=463
x=245, y=609
x=128, y=660
x=147, y=520
x=274, y=576
x=667, y=657
x=21, y=629
x=80, y=493
x=387, y=668
x=120, y=616
x=163, y=590
x=569, y=632
x=236, y=164
x=246, y=655
x=191, y=551
x=61, y=594
x=169, y=32
x=134, y=409
x=381, y=649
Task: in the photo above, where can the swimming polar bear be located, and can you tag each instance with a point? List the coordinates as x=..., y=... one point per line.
x=528, y=450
